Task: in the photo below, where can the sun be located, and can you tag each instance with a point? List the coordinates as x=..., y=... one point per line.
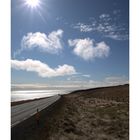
x=32, y=3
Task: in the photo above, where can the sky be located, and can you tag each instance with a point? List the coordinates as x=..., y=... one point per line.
x=70, y=42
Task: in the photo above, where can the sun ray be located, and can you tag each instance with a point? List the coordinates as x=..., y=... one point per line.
x=32, y=3
x=35, y=6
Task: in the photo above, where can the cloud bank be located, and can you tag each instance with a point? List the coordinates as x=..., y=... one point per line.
x=115, y=80
x=91, y=83
x=42, y=69
x=88, y=49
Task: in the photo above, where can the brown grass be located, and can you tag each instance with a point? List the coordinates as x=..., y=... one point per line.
x=101, y=114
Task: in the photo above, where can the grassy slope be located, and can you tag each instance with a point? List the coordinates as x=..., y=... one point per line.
x=100, y=114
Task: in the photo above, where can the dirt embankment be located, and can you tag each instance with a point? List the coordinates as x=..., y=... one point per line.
x=95, y=114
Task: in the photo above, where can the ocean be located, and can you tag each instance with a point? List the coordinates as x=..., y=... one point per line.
x=19, y=95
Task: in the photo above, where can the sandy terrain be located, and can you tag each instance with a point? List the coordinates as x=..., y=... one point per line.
x=95, y=114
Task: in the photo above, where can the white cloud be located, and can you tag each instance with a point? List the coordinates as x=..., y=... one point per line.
x=51, y=43
x=42, y=69
x=83, y=27
x=79, y=83
x=88, y=49
x=86, y=75
x=116, y=80
x=118, y=36
x=106, y=26
x=105, y=17
x=107, y=81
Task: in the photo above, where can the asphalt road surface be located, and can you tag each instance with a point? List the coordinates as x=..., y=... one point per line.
x=23, y=111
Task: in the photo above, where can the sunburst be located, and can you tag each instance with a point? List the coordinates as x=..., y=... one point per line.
x=32, y=3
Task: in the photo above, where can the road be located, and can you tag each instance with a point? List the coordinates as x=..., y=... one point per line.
x=21, y=112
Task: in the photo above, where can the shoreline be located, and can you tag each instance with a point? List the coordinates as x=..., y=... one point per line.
x=26, y=101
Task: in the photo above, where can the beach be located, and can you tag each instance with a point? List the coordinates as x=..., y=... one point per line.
x=99, y=113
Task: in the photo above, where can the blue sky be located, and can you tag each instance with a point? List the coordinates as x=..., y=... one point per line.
x=82, y=42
